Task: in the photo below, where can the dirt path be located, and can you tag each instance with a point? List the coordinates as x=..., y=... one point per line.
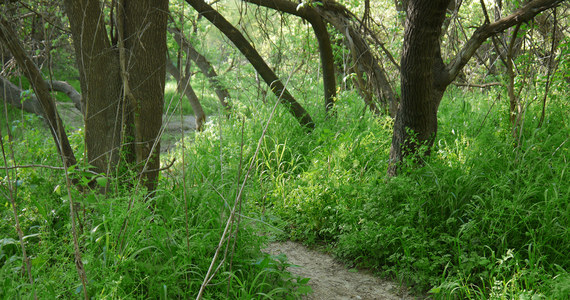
x=330, y=279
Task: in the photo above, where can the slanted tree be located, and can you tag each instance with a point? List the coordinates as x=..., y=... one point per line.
x=311, y=15
x=274, y=83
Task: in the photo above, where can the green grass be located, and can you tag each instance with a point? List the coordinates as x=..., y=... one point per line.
x=481, y=219
x=164, y=250
x=487, y=216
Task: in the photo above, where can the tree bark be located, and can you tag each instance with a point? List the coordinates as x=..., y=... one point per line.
x=101, y=84
x=416, y=121
x=255, y=59
x=123, y=91
x=184, y=87
x=311, y=15
x=205, y=67
x=8, y=37
x=339, y=17
x=13, y=96
x=144, y=35
x=424, y=76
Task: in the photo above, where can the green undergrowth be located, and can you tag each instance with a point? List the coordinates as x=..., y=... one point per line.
x=486, y=216
x=133, y=246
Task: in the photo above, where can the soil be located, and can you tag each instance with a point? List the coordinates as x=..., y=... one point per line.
x=331, y=279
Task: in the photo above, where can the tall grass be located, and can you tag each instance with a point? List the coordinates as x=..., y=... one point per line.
x=486, y=216
x=165, y=248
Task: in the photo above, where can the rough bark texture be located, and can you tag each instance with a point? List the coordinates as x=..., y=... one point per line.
x=105, y=85
x=184, y=87
x=31, y=71
x=416, y=120
x=100, y=79
x=311, y=15
x=255, y=59
x=424, y=76
x=145, y=39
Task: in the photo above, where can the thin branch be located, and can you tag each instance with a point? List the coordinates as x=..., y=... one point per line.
x=484, y=85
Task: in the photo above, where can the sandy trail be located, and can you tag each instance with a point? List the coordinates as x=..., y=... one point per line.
x=330, y=279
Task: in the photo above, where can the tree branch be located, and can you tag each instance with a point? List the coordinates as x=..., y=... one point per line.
x=524, y=14
x=256, y=61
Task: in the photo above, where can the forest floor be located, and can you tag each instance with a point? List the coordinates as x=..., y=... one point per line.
x=330, y=279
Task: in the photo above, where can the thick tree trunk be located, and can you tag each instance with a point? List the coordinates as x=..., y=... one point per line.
x=255, y=59
x=424, y=77
x=101, y=85
x=123, y=91
x=144, y=37
x=416, y=121
x=184, y=87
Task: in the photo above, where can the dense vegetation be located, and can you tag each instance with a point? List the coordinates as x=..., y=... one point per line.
x=486, y=215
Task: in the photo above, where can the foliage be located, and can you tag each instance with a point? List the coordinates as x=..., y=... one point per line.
x=480, y=218
x=133, y=245
x=486, y=216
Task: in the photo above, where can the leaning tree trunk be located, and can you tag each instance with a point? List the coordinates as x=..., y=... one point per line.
x=183, y=86
x=47, y=103
x=274, y=83
x=310, y=14
x=122, y=87
x=364, y=60
x=204, y=65
x=416, y=120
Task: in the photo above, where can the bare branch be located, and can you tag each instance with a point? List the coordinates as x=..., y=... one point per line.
x=524, y=14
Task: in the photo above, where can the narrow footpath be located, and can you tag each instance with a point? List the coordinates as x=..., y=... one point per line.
x=331, y=280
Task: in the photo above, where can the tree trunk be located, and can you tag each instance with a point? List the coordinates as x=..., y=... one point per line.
x=309, y=14
x=257, y=62
x=415, y=126
x=364, y=60
x=13, y=96
x=184, y=87
x=109, y=78
x=424, y=76
x=144, y=35
x=204, y=65
x=100, y=79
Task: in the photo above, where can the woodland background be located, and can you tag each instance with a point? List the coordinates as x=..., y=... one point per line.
x=425, y=141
